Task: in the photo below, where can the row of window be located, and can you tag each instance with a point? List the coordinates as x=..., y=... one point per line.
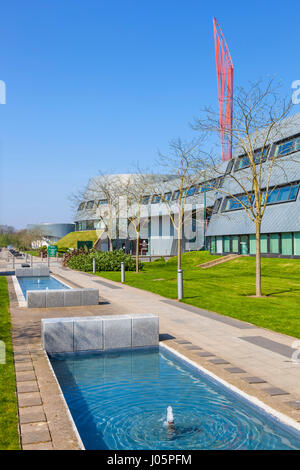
x=286, y=244
x=276, y=195
x=91, y=204
x=279, y=149
x=157, y=198
x=282, y=148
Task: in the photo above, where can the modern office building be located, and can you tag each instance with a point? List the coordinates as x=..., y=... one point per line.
x=220, y=222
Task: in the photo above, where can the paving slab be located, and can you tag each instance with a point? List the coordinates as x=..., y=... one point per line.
x=23, y=367
x=23, y=376
x=235, y=370
x=205, y=354
x=39, y=446
x=29, y=399
x=32, y=414
x=254, y=380
x=33, y=433
x=218, y=361
x=294, y=404
x=28, y=386
x=273, y=391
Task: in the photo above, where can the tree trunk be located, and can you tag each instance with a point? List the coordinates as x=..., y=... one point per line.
x=258, y=260
x=137, y=253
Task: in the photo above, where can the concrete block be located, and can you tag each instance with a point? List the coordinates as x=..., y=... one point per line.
x=90, y=296
x=55, y=298
x=57, y=335
x=88, y=333
x=36, y=299
x=40, y=270
x=117, y=331
x=24, y=272
x=144, y=330
x=72, y=297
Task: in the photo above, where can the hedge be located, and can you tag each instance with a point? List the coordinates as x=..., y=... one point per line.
x=105, y=261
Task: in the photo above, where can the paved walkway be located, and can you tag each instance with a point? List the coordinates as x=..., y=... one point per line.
x=255, y=360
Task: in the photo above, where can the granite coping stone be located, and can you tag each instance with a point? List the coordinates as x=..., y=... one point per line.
x=105, y=332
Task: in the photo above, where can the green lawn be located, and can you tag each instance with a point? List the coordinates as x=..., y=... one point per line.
x=226, y=288
x=9, y=437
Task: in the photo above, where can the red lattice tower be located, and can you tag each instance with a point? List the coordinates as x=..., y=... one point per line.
x=225, y=90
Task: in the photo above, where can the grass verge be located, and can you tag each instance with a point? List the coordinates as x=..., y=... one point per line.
x=9, y=437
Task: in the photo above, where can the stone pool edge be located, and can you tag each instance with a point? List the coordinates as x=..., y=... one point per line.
x=68, y=412
x=283, y=419
x=20, y=296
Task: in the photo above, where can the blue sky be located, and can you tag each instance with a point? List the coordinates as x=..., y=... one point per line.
x=103, y=84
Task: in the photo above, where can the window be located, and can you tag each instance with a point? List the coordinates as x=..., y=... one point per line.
x=274, y=243
x=235, y=244
x=190, y=192
x=229, y=167
x=213, y=244
x=159, y=225
x=145, y=200
x=90, y=204
x=208, y=186
x=221, y=181
x=260, y=156
x=285, y=193
x=175, y=195
x=264, y=243
x=236, y=203
x=89, y=224
x=286, y=244
x=102, y=201
x=297, y=243
x=289, y=146
x=81, y=206
x=252, y=245
x=226, y=244
x=156, y=198
x=171, y=226
x=167, y=196
x=216, y=206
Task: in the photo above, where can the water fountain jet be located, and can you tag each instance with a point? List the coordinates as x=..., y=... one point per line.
x=170, y=417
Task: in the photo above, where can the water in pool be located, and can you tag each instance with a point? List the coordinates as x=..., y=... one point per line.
x=40, y=283
x=120, y=400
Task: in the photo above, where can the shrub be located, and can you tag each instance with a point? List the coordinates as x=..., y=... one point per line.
x=105, y=261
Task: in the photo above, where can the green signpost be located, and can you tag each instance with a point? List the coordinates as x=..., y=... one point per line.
x=52, y=250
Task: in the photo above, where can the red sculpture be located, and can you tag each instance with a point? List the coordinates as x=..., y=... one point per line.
x=225, y=90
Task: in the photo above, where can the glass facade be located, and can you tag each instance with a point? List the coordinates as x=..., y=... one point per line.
x=284, y=244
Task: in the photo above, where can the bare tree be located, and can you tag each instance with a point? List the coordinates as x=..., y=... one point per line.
x=182, y=163
x=135, y=191
x=260, y=117
x=101, y=199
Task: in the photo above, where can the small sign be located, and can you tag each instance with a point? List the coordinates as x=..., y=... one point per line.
x=81, y=244
x=52, y=250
